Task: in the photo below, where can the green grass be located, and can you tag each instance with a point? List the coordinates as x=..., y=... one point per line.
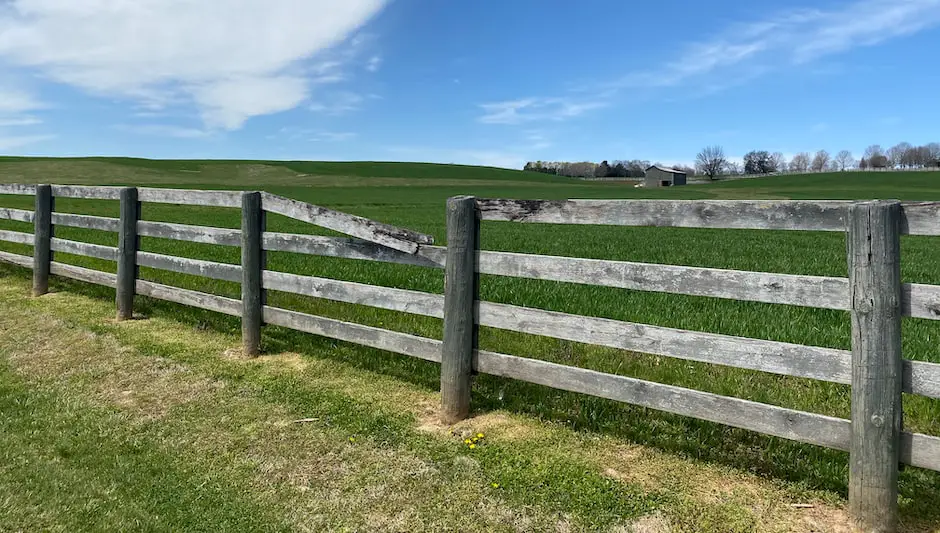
x=413, y=195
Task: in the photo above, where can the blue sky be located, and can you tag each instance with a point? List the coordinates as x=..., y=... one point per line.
x=484, y=82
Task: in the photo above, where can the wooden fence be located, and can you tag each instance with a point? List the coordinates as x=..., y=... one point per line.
x=873, y=294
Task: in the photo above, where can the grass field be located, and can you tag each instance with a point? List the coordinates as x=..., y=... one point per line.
x=560, y=460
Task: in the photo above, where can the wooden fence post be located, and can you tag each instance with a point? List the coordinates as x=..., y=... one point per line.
x=873, y=243
x=460, y=293
x=128, y=244
x=42, y=239
x=252, y=265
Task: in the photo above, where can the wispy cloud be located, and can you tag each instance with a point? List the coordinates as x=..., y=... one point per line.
x=788, y=39
x=18, y=141
x=295, y=134
x=15, y=122
x=164, y=130
x=187, y=51
x=374, y=63
x=332, y=136
x=340, y=102
x=14, y=101
x=537, y=109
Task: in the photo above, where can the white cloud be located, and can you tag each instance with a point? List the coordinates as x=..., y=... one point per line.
x=234, y=60
x=164, y=130
x=294, y=134
x=13, y=142
x=16, y=122
x=374, y=63
x=333, y=136
x=228, y=103
x=788, y=39
x=535, y=109
x=339, y=103
x=14, y=101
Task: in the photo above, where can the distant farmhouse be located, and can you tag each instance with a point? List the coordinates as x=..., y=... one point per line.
x=657, y=176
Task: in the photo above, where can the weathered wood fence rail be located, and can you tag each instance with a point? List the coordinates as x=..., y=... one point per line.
x=873, y=294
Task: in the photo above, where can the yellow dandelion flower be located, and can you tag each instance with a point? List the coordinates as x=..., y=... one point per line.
x=479, y=435
x=495, y=485
x=472, y=446
x=352, y=439
x=466, y=441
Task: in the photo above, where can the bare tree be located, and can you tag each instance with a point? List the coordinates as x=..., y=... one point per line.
x=820, y=160
x=800, y=162
x=873, y=151
x=844, y=159
x=933, y=155
x=778, y=162
x=711, y=161
x=896, y=154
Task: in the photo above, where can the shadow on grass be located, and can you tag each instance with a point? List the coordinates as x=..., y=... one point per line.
x=809, y=467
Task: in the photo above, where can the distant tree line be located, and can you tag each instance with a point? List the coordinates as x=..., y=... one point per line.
x=712, y=163
x=632, y=168
x=711, y=160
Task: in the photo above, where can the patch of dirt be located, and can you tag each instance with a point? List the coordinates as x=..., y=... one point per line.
x=651, y=523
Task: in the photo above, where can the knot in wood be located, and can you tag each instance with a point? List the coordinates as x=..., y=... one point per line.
x=864, y=305
x=877, y=421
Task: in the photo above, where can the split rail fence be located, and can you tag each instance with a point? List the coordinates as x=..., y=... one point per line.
x=873, y=294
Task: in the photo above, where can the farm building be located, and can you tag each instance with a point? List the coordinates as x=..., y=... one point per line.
x=657, y=176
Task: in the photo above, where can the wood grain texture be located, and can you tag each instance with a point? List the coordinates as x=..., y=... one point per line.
x=768, y=356
x=86, y=221
x=18, y=237
x=350, y=248
x=16, y=259
x=731, y=214
x=87, y=191
x=460, y=294
x=109, y=253
x=397, y=238
x=392, y=341
x=874, y=252
x=920, y=218
x=198, y=299
x=84, y=274
x=128, y=244
x=922, y=451
x=406, y=301
x=195, y=267
x=18, y=189
x=191, y=197
x=807, y=291
x=770, y=420
x=42, y=238
x=252, y=266
x=920, y=301
x=21, y=215
x=187, y=232
x=921, y=378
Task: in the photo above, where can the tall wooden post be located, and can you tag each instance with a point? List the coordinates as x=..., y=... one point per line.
x=42, y=239
x=128, y=244
x=252, y=265
x=460, y=293
x=873, y=243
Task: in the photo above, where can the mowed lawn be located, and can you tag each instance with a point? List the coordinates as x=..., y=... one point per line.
x=159, y=422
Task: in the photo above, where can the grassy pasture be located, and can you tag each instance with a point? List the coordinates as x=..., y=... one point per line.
x=413, y=196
